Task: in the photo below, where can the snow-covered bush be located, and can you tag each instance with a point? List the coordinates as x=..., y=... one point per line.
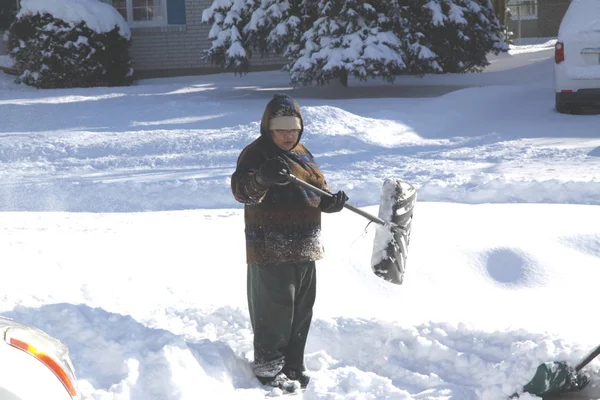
x=229, y=49
x=70, y=43
x=333, y=39
x=346, y=40
x=408, y=24
x=243, y=27
x=461, y=33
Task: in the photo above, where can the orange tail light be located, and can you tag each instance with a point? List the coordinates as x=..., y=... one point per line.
x=49, y=362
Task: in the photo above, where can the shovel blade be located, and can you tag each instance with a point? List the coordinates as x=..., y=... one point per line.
x=390, y=250
x=556, y=377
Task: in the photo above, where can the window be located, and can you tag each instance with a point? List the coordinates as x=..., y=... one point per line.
x=141, y=11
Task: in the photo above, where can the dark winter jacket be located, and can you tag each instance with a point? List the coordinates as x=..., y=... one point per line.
x=283, y=223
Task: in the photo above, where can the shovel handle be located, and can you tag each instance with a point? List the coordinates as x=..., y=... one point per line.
x=346, y=205
x=588, y=359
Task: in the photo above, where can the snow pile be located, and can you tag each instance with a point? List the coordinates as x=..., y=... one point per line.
x=337, y=125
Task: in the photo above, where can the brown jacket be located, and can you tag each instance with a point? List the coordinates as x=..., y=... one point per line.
x=283, y=223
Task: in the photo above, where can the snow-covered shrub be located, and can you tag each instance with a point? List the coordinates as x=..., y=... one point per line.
x=461, y=33
x=230, y=48
x=409, y=25
x=242, y=27
x=348, y=39
x=333, y=39
x=75, y=43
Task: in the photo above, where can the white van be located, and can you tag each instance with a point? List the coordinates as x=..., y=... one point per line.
x=577, y=57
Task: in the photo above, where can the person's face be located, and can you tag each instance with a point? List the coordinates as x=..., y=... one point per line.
x=285, y=139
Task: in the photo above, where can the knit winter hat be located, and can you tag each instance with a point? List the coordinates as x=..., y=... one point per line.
x=282, y=112
x=285, y=122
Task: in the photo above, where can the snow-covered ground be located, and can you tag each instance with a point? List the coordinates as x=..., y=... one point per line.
x=120, y=236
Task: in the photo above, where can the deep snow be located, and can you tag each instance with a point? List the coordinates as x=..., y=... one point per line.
x=120, y=235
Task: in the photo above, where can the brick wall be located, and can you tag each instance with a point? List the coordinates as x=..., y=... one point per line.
x=176, y=49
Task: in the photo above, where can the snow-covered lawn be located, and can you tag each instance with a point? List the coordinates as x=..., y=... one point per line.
x=120, y=236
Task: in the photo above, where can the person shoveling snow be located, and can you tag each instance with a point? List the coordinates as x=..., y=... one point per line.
x=283, y=224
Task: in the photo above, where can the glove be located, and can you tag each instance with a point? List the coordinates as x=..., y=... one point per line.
x=333, y=204
x=274, y=171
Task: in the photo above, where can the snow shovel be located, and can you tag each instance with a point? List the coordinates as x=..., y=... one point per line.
x=393, y=234
x=554, y=378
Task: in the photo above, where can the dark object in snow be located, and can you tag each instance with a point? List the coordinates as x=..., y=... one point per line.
x=558, y=377
x=395, y=217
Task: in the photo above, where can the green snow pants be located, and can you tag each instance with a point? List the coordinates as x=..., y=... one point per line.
x=280, y=300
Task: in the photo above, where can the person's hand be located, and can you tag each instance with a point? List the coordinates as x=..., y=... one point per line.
x=274, y=171
x=335, y=203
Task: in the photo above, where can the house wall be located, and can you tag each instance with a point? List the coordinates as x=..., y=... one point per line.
x=176, y=49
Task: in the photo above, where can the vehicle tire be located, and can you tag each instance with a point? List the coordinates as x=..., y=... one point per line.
x=576, y=109
x=562, y=106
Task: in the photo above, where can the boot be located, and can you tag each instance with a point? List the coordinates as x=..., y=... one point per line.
x=280, y=381
x=301, y=376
